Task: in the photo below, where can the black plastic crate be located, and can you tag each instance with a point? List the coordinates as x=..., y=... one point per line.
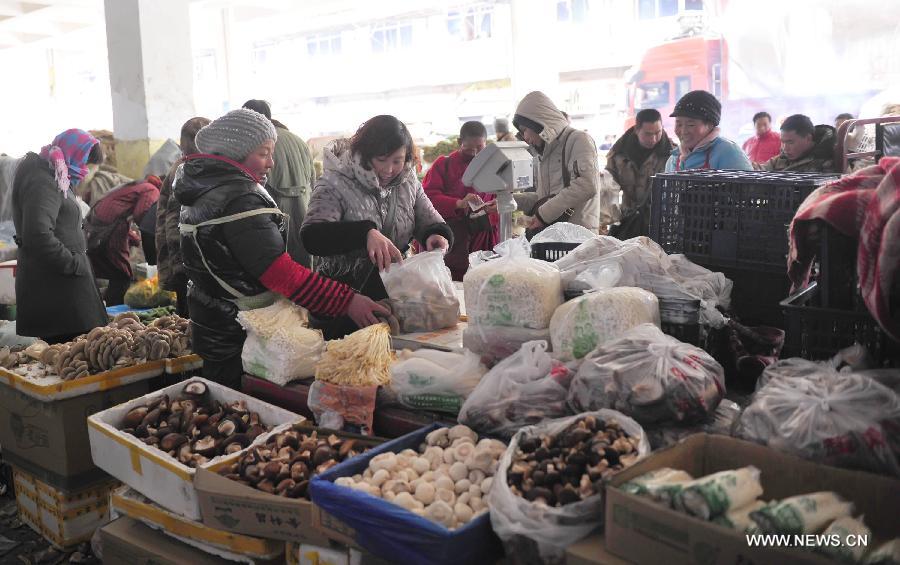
x=837, y=279
x=815, y=332
x=731, y=218
x=551, y=251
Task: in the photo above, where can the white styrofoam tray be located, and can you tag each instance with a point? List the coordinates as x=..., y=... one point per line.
x=150, y=471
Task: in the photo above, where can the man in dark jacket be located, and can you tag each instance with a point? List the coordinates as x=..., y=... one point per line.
x=804, y=148
x=291, y=180
x=632, y=161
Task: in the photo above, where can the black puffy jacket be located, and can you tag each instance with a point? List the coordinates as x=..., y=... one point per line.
x=238, y=252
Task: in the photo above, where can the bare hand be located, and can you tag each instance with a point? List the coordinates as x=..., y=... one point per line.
x=535, y=223
x=437, y=242
x=491, y=207
x=382, y=251
x=362, y=311
x=464, y=203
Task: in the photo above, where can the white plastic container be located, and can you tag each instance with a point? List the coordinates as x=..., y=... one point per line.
x=161, y=478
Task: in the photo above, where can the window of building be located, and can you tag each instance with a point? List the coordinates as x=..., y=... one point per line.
x=682, y=86
x=391, y=37
x=694, y=5
x=322, y=44
x=652, y=95
x=475, y=22
x=572, y=11
x=716, y=80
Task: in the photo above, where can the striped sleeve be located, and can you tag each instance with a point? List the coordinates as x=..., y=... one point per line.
x=320, y=295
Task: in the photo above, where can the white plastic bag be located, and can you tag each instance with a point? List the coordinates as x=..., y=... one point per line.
x=421, y=291
x=564, y=232
x=496, y=343
x=552, y=529
x=428, y=379
x=836, y=418
x=279, y=347
x=580, y=325
x=526, y=388
x=651, y=377
x=514, y=291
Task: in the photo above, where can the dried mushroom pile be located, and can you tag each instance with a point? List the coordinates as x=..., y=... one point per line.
x=194, y=428
x=447, y=481
x=124, y=342
x=570, y=466
x=289, y=460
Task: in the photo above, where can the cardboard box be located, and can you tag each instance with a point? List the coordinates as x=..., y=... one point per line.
x=128, y=502
x=592, y=551
x=65, y=519
x=161, y=478
x=129, y=542
x=51, y=433
x=233, y=507
x=643, y=531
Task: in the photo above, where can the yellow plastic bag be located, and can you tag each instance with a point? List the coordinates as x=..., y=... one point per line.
x=148, y=294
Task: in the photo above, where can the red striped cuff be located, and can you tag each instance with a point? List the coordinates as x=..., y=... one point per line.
x=319, y=295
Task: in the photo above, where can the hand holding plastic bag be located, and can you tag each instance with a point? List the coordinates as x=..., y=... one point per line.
x=421, y=291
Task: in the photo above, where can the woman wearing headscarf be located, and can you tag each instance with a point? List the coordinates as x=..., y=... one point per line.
x=57, y=298
x=367, y=208
x=233, y=243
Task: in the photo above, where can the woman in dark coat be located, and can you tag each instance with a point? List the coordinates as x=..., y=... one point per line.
x=57, y=298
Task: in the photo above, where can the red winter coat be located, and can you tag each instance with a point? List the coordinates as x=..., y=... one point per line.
x=444, y=187
x=115, y=211
x=761, y=149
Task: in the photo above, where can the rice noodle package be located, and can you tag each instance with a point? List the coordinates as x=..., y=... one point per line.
x=843, y=419
x=651, y=377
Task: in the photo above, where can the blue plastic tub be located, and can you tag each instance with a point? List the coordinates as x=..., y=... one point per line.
x=393, y=533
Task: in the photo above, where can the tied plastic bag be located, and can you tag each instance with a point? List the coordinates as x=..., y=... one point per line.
x=526, y=388
x=338, y=407
x=435, y=380
x=148, y=294
x=835, y=418
x=579, y=325
x=651, y=377
x=564, y=232
x=422, y=295
x=279, y=347
x=552, y=529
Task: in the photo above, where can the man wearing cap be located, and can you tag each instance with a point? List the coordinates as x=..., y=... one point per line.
x=567, y=175
x=697, y=117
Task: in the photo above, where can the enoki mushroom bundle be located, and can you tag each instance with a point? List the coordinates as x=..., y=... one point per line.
x=362, y=358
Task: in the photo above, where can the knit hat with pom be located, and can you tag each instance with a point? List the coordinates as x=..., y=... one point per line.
x=236, y=134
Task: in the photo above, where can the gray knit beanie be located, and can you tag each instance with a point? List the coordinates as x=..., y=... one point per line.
x=236, y=134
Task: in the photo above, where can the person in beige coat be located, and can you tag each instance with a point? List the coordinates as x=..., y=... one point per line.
x=566, y=168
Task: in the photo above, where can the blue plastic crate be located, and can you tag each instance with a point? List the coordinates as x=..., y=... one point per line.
x=393, y=533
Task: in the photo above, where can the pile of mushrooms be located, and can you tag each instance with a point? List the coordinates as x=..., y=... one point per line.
x=285, y=465
x=447, y=480
x=194, y=428
x=568, y=467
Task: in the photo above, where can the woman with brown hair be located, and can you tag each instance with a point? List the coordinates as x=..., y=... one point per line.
x=367, y=208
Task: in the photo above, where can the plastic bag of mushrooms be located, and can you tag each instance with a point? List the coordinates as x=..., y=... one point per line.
x=549, y=489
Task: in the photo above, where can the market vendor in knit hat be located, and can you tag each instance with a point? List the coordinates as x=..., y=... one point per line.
x=233, y=243
x=697, y=117
x=56, y=296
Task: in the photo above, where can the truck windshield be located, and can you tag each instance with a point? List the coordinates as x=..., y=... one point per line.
x=652, y=95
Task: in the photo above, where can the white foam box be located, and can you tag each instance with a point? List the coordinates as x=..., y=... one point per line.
x=126, y=501
x=150, y=471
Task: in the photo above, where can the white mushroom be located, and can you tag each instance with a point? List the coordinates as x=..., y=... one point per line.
x=357, y=478
x=405, y=500
x=344, y=482
x=463, y=512
x=409, y=453
x=380, y=477
x=460, y=430
x=449, y=456
x=434, y=455
x=425, y=493
x=403, y=461
x=401, y=486
x=367, y=474
x=446, y=495
x=428, y=476
x=442, y=513
x=458, y=471
x=461, y=440
x=387, y=461
x=477, y=476
x=477, y=504
x=389, y=496
x=463, y=451
x=486, y=485
x=421, y=465
x=464, y=498
x=492, y=445
x=463, y=486
x=475, y=491
x=445, y=483
x=482, y=459
x=439, y=437
x=409, y=474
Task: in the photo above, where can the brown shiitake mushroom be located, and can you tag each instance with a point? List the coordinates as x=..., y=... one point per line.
x=195, y=389
x=346, y=447
x=299, y=471
x=135, y=417
x=266, y=485
x=323, y=454
x=172, y=441
x=284, y=487
x=254, y=431
x=205, y=446
x=226, y=427
x=151, y=419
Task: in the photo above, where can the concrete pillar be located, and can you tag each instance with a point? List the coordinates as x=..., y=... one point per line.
x=150, y=74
